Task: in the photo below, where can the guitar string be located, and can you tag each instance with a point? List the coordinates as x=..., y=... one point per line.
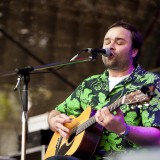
x=92, y=120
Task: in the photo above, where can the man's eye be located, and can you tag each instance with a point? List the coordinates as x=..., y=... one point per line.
x=120, y=42
x=107, y=42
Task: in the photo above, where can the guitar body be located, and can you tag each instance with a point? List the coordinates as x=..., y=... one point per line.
x=85, y=143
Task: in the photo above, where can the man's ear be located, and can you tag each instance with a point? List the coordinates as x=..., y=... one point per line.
x=134, y=52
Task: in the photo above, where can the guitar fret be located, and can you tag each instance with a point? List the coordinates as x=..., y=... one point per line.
x=115, y=105
x=88, y=123
x=92, y=120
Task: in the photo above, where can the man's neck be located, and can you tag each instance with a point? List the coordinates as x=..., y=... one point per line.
x=120, y=73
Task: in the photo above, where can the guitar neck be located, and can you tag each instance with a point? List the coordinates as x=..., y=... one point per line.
x=116, y=104
x=85, y=125
x=92, y=120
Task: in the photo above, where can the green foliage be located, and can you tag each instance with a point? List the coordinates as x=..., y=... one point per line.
x=9, y=109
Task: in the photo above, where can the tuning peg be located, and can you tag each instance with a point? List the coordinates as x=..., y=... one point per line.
x=132, y=107
x=146, y=104
x=139, y=106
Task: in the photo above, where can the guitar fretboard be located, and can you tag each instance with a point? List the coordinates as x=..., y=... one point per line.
x=80, y=128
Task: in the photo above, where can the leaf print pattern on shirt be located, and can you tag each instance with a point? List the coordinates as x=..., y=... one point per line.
x=94, y=91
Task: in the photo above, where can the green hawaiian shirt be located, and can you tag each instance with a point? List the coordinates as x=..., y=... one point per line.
x=94, y=91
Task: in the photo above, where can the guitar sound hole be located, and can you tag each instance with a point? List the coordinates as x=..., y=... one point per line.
x=71, y=137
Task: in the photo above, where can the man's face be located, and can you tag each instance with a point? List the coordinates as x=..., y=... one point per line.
x=119, y=41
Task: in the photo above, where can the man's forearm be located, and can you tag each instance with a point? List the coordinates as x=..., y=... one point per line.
x=51, y=115
x=144, y=135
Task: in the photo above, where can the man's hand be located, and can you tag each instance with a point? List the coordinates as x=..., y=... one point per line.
x=113, y=123
x=56, y=122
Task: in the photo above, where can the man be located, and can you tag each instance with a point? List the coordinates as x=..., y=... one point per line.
x=126, y=127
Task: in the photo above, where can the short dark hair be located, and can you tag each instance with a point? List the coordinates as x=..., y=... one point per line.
x=137, y=39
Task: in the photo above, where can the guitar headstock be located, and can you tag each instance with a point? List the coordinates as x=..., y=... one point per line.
x=136, y=97
x=139, y=96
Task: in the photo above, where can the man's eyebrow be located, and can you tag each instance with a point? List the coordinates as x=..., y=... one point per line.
x=117, y=38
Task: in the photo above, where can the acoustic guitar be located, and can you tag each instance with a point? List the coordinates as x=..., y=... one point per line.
x=85, y=133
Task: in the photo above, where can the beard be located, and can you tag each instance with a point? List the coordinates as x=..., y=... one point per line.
x=118, y=62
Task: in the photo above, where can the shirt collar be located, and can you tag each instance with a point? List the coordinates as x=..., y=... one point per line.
x=138, y=71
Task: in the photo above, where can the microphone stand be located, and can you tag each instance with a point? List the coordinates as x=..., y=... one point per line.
x=24, y=74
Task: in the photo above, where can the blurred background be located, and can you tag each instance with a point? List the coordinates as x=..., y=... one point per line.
x=34, y=33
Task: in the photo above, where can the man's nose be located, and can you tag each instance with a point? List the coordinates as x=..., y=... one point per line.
x=112, y=45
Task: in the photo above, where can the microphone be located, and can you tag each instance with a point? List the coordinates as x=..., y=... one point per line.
x=106, y=52
x=99, y=51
